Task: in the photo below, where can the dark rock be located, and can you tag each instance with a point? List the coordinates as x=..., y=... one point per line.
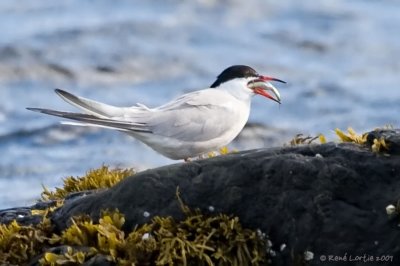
x=8, y=215
x=99, y=260
x=43, y=205
x=23, y=215
x=327, y=199
x=391, y=136
x=80, y=194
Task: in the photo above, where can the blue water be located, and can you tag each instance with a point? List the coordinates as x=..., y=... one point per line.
x=340, y=59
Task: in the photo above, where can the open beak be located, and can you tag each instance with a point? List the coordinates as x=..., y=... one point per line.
x=262, y=87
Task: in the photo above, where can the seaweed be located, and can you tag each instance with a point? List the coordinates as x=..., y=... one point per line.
x=222, y=151
x=198, y=239
x=352, y=136
x=99, y=178
x=301, y=139
x=378, y=145
x=18, y=243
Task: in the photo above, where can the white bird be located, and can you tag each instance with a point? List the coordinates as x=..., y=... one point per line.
x=191, y=125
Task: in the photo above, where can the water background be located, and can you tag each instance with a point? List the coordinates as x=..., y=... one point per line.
x=340, y=58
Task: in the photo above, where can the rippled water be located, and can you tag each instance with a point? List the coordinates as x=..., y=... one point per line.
x=340, y=58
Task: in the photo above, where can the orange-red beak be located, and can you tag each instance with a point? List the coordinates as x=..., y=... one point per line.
x=262, y=87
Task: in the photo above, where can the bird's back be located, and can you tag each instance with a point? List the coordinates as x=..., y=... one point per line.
x=195, y=123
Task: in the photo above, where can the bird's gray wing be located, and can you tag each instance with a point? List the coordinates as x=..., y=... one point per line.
x=196, y=98
x=195, y=116
x=198, y=116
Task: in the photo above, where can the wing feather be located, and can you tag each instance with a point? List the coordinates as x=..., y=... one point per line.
x=195, y=116
x=93, y=120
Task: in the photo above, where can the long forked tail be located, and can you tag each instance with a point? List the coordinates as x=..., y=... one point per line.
x=91, y=120
x=89, y=106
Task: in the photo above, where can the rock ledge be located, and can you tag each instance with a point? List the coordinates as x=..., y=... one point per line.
x=325, y=199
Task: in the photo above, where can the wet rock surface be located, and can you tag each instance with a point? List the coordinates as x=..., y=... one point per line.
x=323, y=200
x=23, y=215
x=326, y=199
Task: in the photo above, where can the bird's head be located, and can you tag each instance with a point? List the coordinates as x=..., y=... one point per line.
x=244, y=80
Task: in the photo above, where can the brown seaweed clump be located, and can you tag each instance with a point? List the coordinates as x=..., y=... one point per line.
x=102, y=177
x=379, y=145
x=300, y=139
x=351, y=136
x=198, y=239
x=18, y=244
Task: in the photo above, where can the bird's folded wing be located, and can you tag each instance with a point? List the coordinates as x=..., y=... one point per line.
x=190, y=124
x=212, y=97
x=197, y=116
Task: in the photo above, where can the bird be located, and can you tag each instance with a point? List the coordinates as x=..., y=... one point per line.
x=189, y=126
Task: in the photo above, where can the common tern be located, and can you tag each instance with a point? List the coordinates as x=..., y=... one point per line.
x=189, y=126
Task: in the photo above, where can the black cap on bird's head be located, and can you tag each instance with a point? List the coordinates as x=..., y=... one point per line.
x=259, y=84
x=232, y=72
